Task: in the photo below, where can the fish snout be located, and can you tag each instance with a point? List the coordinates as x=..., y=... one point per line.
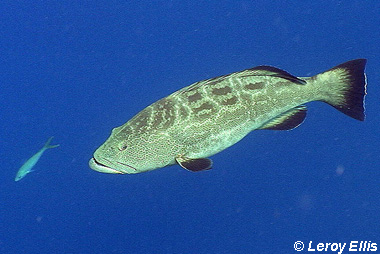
x=97, y=166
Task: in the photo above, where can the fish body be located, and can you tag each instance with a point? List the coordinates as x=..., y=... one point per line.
x=27, y=167
x=209, y=116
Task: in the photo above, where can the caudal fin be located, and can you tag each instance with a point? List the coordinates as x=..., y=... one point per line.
x=47, y=144
x=346, y=87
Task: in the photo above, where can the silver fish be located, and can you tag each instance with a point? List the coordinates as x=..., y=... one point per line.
x=26, y=168
x=207, y=117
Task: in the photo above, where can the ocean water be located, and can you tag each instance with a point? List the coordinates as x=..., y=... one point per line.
x=76, y=69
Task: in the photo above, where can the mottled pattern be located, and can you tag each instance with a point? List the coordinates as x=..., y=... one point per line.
x=206, y=117
x=211, y=115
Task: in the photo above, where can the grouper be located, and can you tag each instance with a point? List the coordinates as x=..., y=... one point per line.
x=209, y=116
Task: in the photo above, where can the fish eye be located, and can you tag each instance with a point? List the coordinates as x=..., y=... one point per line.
x=122, y=148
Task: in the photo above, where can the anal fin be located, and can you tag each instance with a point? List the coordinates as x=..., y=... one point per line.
x=194, y=165
x=287, y=120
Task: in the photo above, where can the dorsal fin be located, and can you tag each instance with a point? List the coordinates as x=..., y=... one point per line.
x=288, y=120
x=265, y=70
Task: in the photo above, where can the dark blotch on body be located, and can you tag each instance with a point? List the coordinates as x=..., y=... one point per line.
x=255, y=86
x=230, y=101
x=195, y=97
x=205, y=106
x=222, y=91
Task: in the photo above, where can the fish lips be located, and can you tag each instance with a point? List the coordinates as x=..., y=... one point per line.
x=97, y=166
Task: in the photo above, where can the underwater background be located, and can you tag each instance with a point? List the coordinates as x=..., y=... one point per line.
x=76, y=69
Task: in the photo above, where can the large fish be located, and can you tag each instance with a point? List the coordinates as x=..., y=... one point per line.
x=27, y=167
x=209, y=116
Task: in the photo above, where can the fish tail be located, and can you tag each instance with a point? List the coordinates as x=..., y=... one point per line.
x=345, y=87
x=47, y=144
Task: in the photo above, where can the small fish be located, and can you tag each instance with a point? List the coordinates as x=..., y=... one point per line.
x=209, y=116
x=29, y=164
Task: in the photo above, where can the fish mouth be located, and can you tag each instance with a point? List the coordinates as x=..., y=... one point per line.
x=97, y=166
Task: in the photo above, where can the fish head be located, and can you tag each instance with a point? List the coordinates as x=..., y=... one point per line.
x=130, y=151
x=20, y=175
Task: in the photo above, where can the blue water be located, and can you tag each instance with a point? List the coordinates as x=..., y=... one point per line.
x=77, y=69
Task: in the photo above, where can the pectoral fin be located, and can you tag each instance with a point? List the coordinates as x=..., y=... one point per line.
x=288, y=120
x=194, y=165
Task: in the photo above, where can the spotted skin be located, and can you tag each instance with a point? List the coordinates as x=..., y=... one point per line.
x=207, y=117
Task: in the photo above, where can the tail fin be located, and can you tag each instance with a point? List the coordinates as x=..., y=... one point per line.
x=47, y=144
x=346, y=88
